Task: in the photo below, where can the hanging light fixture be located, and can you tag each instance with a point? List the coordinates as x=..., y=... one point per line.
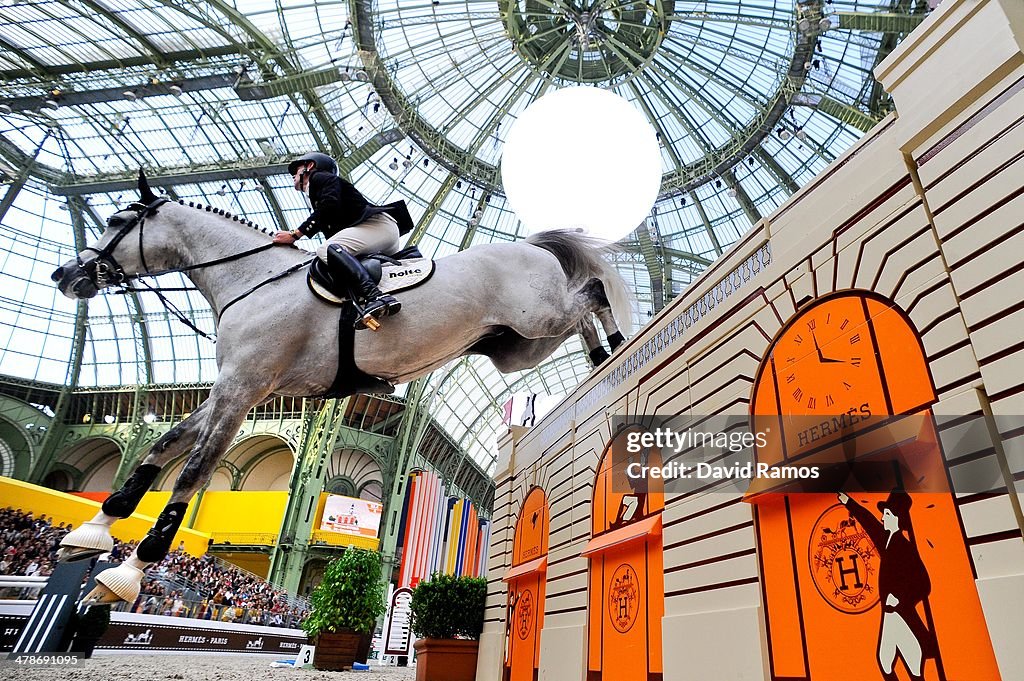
x=394, y=164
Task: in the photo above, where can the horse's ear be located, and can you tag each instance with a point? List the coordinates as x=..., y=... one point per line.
x=146, y=194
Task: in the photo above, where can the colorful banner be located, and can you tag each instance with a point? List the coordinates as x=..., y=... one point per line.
x=439, y=533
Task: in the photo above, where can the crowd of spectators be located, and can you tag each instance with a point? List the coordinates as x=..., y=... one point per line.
x=210, y=588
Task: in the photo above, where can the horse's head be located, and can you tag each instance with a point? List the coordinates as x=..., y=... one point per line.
x=118, y=254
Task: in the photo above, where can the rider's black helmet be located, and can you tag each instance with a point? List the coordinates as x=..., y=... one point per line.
x=322, y=161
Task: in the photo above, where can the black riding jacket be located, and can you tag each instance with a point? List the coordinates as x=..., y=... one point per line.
x=337, y=204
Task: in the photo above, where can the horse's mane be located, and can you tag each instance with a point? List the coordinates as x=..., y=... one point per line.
x=224, y=213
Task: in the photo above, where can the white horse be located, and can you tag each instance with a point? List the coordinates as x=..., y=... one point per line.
x=514, y=302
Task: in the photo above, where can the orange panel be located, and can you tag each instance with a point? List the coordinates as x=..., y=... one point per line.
x=531, y=536
x=637, y=530
x=778, y=581
x=626, y=608
x=903, y=364
x=527, y=620
x=527, y=579
x=855, y=584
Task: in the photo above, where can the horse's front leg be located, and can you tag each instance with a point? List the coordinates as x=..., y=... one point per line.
x=92, y=537
x=229, y=402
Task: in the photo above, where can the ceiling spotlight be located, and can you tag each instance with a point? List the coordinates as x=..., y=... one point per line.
x=473, y=222
x=63, y=206
x=682, y=201
x=394, y=164
x=345, y=76
x=5, y=109
x=175, y=90
x=807, y=66
x=51, y=104
x=223, y=190
x=784, y=134
x=362, y=76
x=108, y=419
x=816, y=63
x=129, y=95
x=750, y=162
x=732, y=192
x=238, y=70
x=458, y=184
x=426, y=162
x=801, y=135
x=477, y=213
x=149, y=418
x=406, y=163
x=804, y=25
x=824, y=24
x=718, y=184
x=86, y=418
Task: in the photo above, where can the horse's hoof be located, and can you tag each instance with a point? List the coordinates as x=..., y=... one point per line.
x=72, y=554
x=120, y=583
x=85, y=541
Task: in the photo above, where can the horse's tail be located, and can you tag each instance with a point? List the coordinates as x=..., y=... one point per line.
x=583, y=258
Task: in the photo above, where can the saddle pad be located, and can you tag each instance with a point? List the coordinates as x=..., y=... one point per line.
x=411, y=272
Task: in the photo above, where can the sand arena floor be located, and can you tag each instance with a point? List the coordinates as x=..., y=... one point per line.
x=189, y=668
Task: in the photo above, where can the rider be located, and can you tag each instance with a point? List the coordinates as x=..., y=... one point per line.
x=353, y=226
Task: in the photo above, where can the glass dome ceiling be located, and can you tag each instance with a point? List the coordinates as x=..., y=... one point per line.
x=750, y=99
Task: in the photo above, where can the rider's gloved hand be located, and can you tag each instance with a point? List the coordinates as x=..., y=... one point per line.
x=286, y=237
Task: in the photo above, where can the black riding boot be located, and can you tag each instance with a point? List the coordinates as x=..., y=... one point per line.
x=346, y=269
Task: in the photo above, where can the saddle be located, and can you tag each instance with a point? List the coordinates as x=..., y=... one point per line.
x=403, y=270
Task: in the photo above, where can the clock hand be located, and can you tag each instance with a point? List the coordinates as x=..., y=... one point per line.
x=821, y=358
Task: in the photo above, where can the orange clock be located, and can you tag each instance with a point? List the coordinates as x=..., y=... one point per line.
x=832, y=366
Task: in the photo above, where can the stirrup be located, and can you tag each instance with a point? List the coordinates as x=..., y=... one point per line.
x=371, y=313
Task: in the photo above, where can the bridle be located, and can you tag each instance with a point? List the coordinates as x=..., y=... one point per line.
x=104, y=270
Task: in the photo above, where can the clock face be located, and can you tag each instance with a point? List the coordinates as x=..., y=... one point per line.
x=824, y=363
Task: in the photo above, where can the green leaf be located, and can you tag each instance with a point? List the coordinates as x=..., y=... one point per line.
x=446, y=606
x=349, y=596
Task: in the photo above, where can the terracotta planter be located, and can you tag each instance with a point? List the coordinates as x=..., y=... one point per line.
x=446, y=659
x=336, y=651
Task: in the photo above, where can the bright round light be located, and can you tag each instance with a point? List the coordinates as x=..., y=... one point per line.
x=582, y=157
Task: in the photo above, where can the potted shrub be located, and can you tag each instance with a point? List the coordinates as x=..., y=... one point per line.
x=448, y=616
x=344, y=609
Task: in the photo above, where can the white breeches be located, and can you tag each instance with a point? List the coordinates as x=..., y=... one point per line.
x=379, y=234
x=896, y=635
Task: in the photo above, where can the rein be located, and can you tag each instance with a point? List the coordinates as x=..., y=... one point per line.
x=104, y=265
